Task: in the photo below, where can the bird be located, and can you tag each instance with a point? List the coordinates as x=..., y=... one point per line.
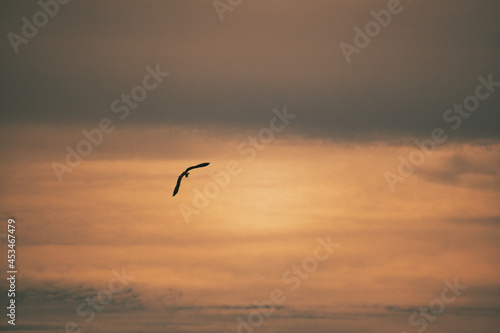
x=186, y=173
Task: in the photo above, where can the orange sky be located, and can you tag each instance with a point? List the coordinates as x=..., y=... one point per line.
x=395, y=248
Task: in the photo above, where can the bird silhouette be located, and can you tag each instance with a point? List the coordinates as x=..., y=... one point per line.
x=186, y=173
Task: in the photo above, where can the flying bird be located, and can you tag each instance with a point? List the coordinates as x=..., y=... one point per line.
x=186, y=173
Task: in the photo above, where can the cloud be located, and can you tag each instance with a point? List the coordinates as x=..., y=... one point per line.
x=461, y=170
x=393, y=88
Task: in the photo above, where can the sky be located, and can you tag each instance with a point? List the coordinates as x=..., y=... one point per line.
x=354, y=173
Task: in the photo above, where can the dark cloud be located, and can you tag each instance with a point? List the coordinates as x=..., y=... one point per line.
x=471, y=311
x=489, y=221
x=70, y=296
x=462, y=171
x=262, y=56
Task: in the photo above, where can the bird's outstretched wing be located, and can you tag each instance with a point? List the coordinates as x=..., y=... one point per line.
x=176, y=189
x=197, y=166
x=185, y=173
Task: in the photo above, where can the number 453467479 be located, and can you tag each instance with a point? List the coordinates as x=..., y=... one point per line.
x=12, y=243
